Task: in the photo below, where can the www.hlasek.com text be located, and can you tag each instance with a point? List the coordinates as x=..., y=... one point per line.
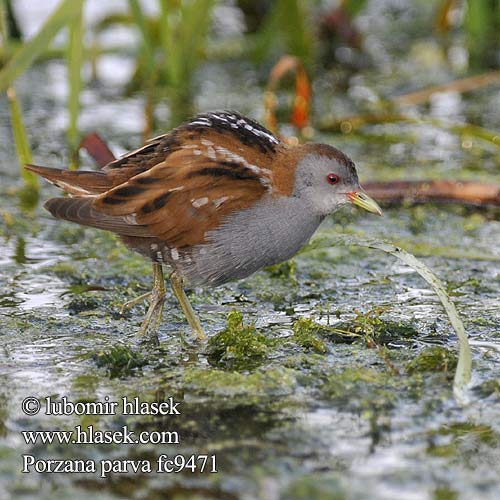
x=90, y=435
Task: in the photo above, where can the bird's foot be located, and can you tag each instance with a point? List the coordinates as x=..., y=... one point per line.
x=154, y=314
x=151, y=323
x=133, y=302
x=178, y=288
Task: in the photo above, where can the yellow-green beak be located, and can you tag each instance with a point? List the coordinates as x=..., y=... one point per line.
x=361, y=199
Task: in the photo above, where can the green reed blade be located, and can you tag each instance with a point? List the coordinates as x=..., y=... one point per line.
x=29, y=51
x=286, y=26
x=183, y=32
x=74, y=58
x=23, y=148
x=352, y=123
x=196, y=18
x=4, y=29
x=148, y=52
x=29, y=194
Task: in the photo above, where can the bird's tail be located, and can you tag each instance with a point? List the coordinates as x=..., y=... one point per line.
x=75, y=182
x=79, y=209
x=84, y=186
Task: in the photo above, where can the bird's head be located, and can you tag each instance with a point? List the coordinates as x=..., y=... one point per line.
x=327, y=179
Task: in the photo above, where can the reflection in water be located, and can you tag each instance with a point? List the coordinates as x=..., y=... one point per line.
x=27, y=287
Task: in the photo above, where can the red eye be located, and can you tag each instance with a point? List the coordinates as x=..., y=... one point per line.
x=332, y=178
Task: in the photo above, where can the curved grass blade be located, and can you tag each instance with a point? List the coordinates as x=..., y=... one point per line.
x=464, y=367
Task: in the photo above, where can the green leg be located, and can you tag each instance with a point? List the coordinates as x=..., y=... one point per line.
x=155, y=311
x=194, y=322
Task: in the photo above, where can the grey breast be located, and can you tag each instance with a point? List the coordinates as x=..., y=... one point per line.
x=270, y=232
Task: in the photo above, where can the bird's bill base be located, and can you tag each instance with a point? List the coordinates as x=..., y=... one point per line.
x=362, y=200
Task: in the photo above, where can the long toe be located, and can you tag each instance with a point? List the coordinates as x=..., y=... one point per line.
x=152, y=320
x=133, y=302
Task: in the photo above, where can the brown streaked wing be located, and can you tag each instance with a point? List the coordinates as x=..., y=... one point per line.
x=188, y=193
x=212, y=130
x=143, y=158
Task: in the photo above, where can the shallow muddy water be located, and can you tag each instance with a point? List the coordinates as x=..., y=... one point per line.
x=292, y=409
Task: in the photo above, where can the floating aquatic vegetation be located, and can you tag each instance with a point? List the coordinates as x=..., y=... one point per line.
x=305, y=333
x=238, y=346
x=120, y=360
x=433, y=359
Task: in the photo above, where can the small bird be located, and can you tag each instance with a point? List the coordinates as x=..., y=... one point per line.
x=215, y=199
